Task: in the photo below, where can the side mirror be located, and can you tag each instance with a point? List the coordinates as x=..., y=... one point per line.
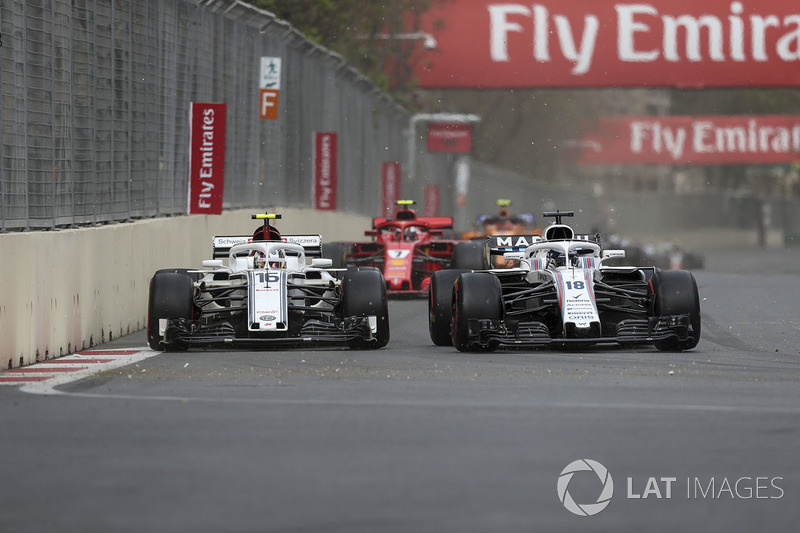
x=321, y=262
x=212, y=263
x=608, y=254
x=514, y=256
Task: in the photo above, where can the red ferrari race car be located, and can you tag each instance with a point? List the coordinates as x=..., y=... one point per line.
x=408, y=249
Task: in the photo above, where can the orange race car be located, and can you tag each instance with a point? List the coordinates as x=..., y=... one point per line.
x=503, y=223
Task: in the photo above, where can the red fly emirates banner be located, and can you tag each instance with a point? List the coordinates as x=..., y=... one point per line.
x=692, y=140
x=325, y=171
x=207, y=158
x=587, y=43
x=449, y=137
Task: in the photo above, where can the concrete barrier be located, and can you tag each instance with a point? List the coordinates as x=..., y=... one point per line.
x=67, y=290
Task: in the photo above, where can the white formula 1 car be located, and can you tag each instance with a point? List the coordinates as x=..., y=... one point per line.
x=562, y=295
x=267, y=293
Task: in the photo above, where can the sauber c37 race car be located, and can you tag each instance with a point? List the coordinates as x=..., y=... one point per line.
x=267, y=293
x=562, y=295
x=408, y=249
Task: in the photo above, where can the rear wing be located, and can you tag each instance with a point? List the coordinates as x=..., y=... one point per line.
x=527, y=219
x=434, y=222
x=500, y=244
x=312, y=244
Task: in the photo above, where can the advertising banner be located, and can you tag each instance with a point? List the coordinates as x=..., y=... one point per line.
x=325, y=177
x=390, y=186
x=691, y=140
x=586, y=43
x=207, y=158
x=449, y=137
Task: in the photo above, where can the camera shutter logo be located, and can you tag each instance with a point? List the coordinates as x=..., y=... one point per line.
x=586, y=509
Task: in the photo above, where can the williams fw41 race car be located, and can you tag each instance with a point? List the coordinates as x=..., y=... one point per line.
x=408, y=249
x=262, y=291
x=562, y=295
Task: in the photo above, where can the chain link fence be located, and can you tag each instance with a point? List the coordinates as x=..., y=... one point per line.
x=95, y=99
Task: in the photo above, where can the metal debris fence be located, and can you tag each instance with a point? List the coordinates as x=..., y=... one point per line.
x=95, y=98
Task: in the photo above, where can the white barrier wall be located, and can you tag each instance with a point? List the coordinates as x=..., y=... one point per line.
x=67, y=290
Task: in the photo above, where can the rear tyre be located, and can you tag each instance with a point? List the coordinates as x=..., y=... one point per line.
x=364, y=294
x=677, y=294
x=472, y=255
x=171, y=296
x=440, y=305
x=475, y=295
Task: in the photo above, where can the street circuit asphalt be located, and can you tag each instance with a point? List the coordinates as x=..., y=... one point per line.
x=418, y=438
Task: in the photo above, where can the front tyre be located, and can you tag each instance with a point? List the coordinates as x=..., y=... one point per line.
x=476, y=295
x=471, y=255
x=440, y=305
x=336, y=252
x=677, y=294
x=171, y=296
x=364, y=294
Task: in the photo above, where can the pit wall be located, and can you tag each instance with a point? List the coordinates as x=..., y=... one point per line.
x=68, y=290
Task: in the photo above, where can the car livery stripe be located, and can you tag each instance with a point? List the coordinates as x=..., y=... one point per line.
x=560, y=291
x=251, y=295
x=284, y=296
x=590, y=288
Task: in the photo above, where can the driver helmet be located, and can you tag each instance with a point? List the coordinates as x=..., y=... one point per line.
x=555, y=258
x=277, y=258
x=259, y=259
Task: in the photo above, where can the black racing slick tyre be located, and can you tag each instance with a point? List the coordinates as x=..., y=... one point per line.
x=364, y=294
x=171, y=296
x=677, y=294
x=471, y=255
x=440, y=305
x=336, y=252
x=475, y=295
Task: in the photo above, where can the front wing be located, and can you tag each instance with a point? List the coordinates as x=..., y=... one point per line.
x=182, y=333
x=632, y=331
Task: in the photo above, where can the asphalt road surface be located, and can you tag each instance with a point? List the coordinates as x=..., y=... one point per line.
x=415, y=438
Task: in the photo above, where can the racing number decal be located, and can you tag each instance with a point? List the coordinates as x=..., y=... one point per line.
x=398, y=254
x=577, y=285
x=270, y=278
